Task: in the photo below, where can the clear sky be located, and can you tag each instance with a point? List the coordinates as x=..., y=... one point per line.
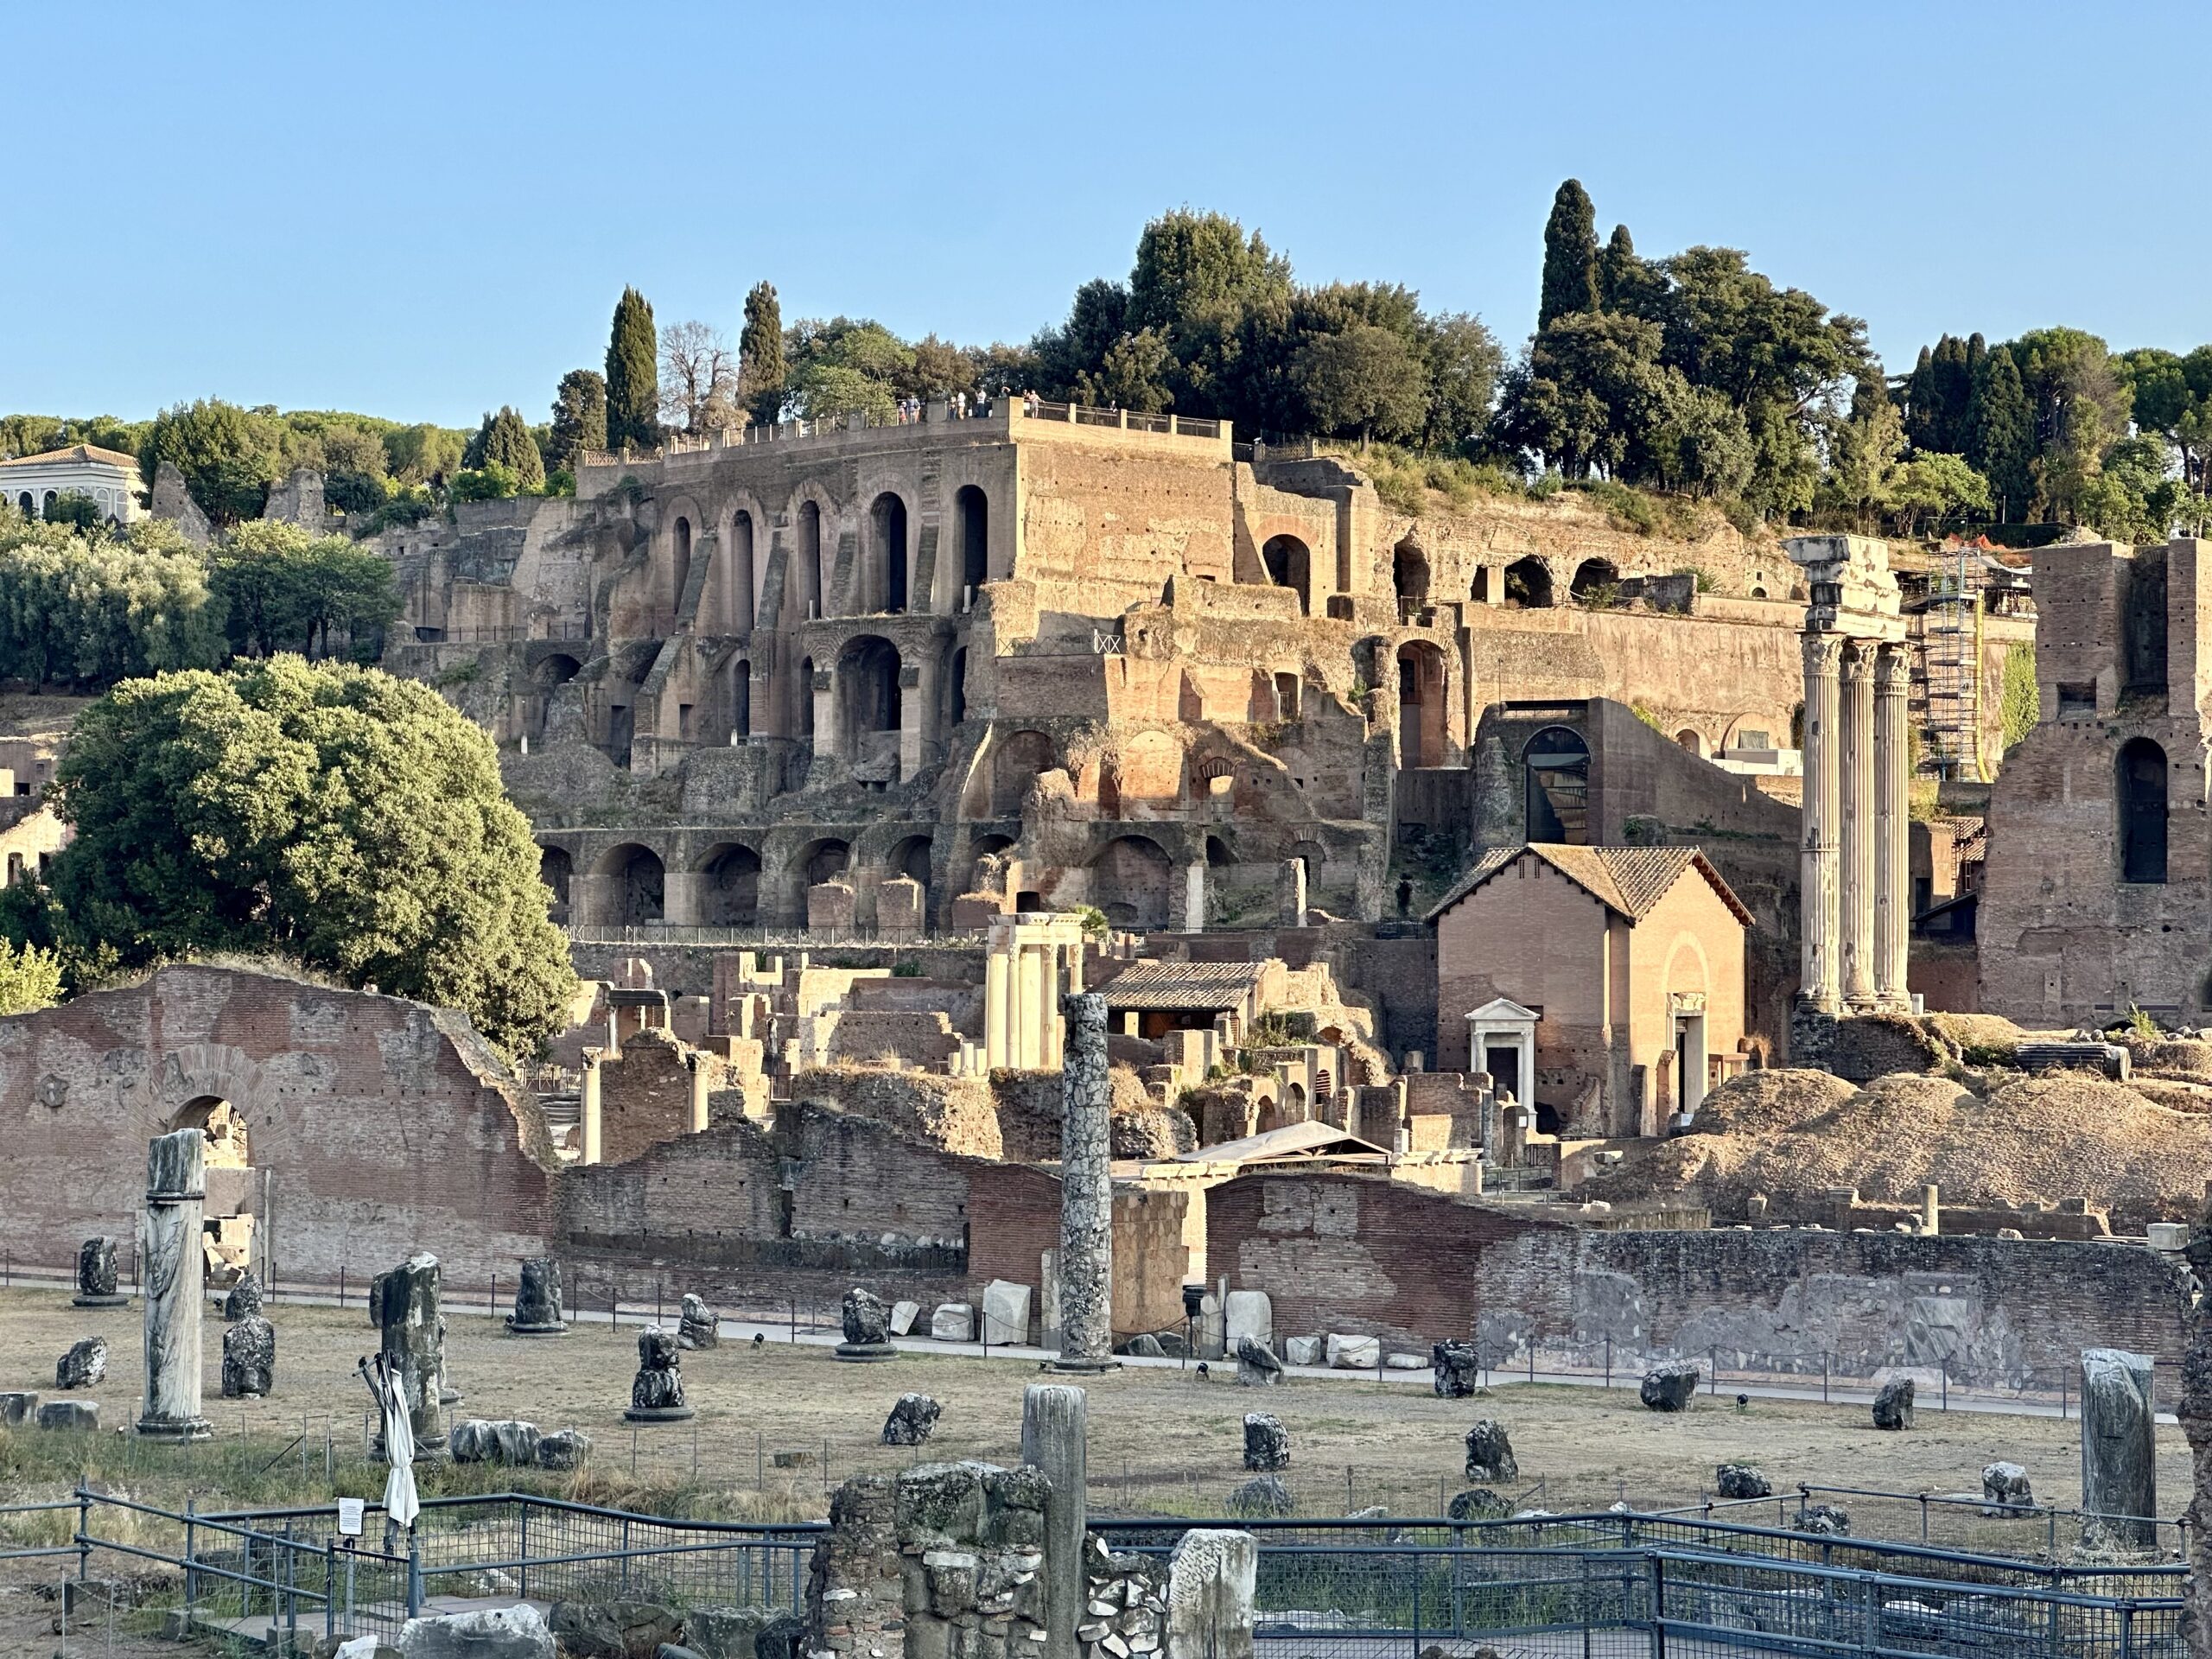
x=422, y=212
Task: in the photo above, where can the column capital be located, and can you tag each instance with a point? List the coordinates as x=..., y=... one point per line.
x=1823, y=651
x=1859, y=657
x=1892, y=670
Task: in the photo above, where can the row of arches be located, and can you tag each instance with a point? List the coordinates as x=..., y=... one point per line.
x=884, y=582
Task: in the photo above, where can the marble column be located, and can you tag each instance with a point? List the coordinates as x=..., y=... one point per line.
x=1892, y=830
x=700, y=1109
x=1030, y=1031
x=175, y=1286
x=1054, y=1433
x=1855, y=779
x=1194, y=896
x=1086, y=1254
x=825, y=713
x=996, y=1011
x=403, y=1305
x=1055, y=1032
x=589, y=1130
x=1818, y=980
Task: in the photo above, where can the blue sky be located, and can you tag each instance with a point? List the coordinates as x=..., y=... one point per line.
x=423, y=212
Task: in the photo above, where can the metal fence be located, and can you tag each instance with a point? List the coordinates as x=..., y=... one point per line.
x=1597, y=1585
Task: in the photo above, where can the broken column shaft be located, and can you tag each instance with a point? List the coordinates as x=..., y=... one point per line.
x=177, y=1288
x=1054, y=1427
x=1086, y=1191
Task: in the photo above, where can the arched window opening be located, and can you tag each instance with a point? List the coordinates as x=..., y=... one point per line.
x=956, y=693
x=52, y=499
x=555, y=867
x=1420, y=705
x=1595, y=581
x=1691, y=739
x=1289, y=564
x=1557, y=764
x=1528, y=584
x=870, y=702
x=809, y=604
x=972, y=509
x=636, y=885
x=887, y=586
x=825, y=859
x=741, y=699
x=742, y=592
x=27, y=507
x=2142, y=811
x=1409, y=572
x=680, y=568
x=1218, y=853
x=730, y=884
x=910, y=858
x=1480, y=591
x=1129, y=881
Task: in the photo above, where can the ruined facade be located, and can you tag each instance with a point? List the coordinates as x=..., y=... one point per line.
x=2097, y=894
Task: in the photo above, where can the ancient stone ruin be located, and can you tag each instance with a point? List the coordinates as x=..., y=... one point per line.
x=1086, y=1261
x=1742, y=1480
x=2005, y=1490
x=2119, y=1463
x=912, y=1422
x=697, y=1326
x=538, y=1299
x=83, y=1365
x=1670, y=1385
x=867, y=1327
x=250, y=1359
x=404, y=1306
x=1459, y=1369
x=1257, y=1365
x=242, y=1300
x=656, y=1391
x=96, y=1275
x=1894, y=1404
x=175, y=1280
x=1489, y=1452
x=1263, y=1497
x=1267, y=1443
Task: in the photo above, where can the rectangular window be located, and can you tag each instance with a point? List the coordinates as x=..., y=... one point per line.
x=2077, y=702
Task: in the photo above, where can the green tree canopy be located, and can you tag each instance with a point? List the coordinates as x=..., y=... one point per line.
x=425, y=455
x=1570, y=256
x=228, y=456
x=504, y=441
x=579, y=416
x=1364, y=381
x=85, y=611
x=337, y=816
x=283, y=590
x=633, y=374
x=761, y=372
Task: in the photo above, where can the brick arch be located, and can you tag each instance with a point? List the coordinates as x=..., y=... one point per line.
x=184, y=1075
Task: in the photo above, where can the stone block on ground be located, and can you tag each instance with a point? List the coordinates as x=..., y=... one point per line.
x=1741, y=1480
x=70, y=1414
x=1248, y=1313
x=903, y=1315
x=250, y=1359
x=697, y=1326
x=614, y=1630
x=1005, y=1312
x=953, y=1322
x=2005, y=1489
x=912, y=1422
x=243, y=1299
x=1144, y=1345
x=1823, y=1519
x=1893, y=1403
x=517, y=1632
x=1267, y=1443
x=1477, y=1503
x=564, y=1450
x=781, y=1637
x=1670, y=1385
x=1405, y=1362
x=1458, y=1368
x=725, y=1632
x=1354, y=1353
x=509, y=1442
x=18, y=1407
x=1262, y=1497
x=1490, y=1452
x=537, y=1298
x=1303, y=1350
x=1257, y=1365
x=83, y=1365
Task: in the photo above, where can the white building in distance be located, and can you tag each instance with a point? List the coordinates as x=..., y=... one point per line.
x=33, y=484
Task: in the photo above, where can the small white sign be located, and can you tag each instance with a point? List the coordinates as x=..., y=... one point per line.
x=350, y=1511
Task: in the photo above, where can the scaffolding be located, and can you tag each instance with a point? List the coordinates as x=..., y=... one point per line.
x=1951, y=653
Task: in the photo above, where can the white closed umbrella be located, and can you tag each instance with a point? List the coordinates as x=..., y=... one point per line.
x=390, y=1392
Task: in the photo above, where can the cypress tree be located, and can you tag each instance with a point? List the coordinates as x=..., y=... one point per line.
x=633, y=374
x=2000, y=439
x=761, y=372
x=1920, y=401
x=507, y=443
x=1954, y=396
x=1617, y=270
x=579, y=415
x=1570, y=255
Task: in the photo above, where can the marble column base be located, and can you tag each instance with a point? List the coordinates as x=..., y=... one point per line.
x=99, y=1301
x=195, y=1428
x=558, y=1329
x=866, y=1352
x=656, y=1414
x=1067, y=1367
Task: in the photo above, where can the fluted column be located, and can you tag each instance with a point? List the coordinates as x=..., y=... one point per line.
x=1029, y=1033
x=1855, y=910
x=996, y=1013
x=1892, y=829
x=701, y=1107
x=588, y=1109
x=1818, y=981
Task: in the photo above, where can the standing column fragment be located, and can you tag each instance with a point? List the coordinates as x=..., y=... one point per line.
x=176, y=1287
x=1054, y=1431
x=1892, y=831
x=1855, y=908
x=1086, y=1262
x=1818, y=981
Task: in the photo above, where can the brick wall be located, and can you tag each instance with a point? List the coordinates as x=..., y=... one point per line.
x=387, y=1126
x=1015, y=1217
x=1344, y=1253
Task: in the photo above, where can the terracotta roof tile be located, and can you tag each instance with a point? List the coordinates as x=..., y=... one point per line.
x=1182, y=985
x=1631, y=881
x=76, y=452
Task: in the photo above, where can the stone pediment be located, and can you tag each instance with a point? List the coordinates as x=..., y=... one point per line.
x=1503, y=1010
